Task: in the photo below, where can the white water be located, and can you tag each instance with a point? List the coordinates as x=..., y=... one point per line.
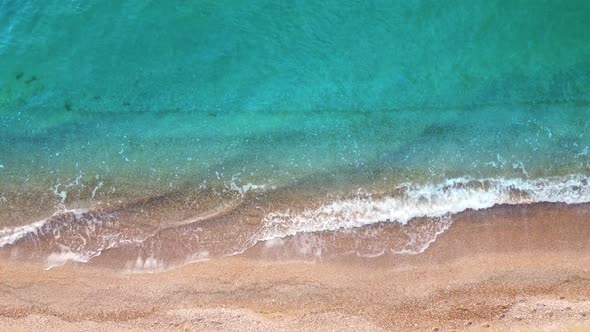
x=9, y=236
x=433, y=200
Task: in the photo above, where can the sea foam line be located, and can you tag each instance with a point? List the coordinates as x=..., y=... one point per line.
x=430, y=201
x=9, y=236
x=436, y=201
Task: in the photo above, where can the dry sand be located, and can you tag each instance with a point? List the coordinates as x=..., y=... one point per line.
x=509, y=268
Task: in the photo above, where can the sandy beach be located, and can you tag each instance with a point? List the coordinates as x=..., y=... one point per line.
x=508, y=268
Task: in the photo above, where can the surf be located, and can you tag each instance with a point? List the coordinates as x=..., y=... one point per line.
x=422, y=212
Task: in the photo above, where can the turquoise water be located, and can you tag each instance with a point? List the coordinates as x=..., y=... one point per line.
x=114, y=101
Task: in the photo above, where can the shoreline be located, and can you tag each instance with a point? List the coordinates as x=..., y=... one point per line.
x=508, y=268
x=157, y=233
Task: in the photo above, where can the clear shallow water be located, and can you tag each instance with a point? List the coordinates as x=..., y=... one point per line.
x=112, y=103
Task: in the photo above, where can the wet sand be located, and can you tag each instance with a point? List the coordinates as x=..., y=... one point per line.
x=508, y=268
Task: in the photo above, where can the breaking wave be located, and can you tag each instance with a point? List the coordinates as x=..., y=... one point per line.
x=412, y=201
x=346, y=225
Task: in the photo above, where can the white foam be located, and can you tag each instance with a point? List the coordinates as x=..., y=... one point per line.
x=243, y=189
x=150, y=265
x=433, y=200
x=410, y=201
x=59, y=259
x=98, y=186
x=9, y=236
x=421, y=240
x=250, y=186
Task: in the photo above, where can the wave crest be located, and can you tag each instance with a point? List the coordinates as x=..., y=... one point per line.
x=405, y=221
x=412, y=201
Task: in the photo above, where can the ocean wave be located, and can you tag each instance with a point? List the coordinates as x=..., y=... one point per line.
x=68, y=235
x=345, y=225
x=412, y=201
x=9, y=236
